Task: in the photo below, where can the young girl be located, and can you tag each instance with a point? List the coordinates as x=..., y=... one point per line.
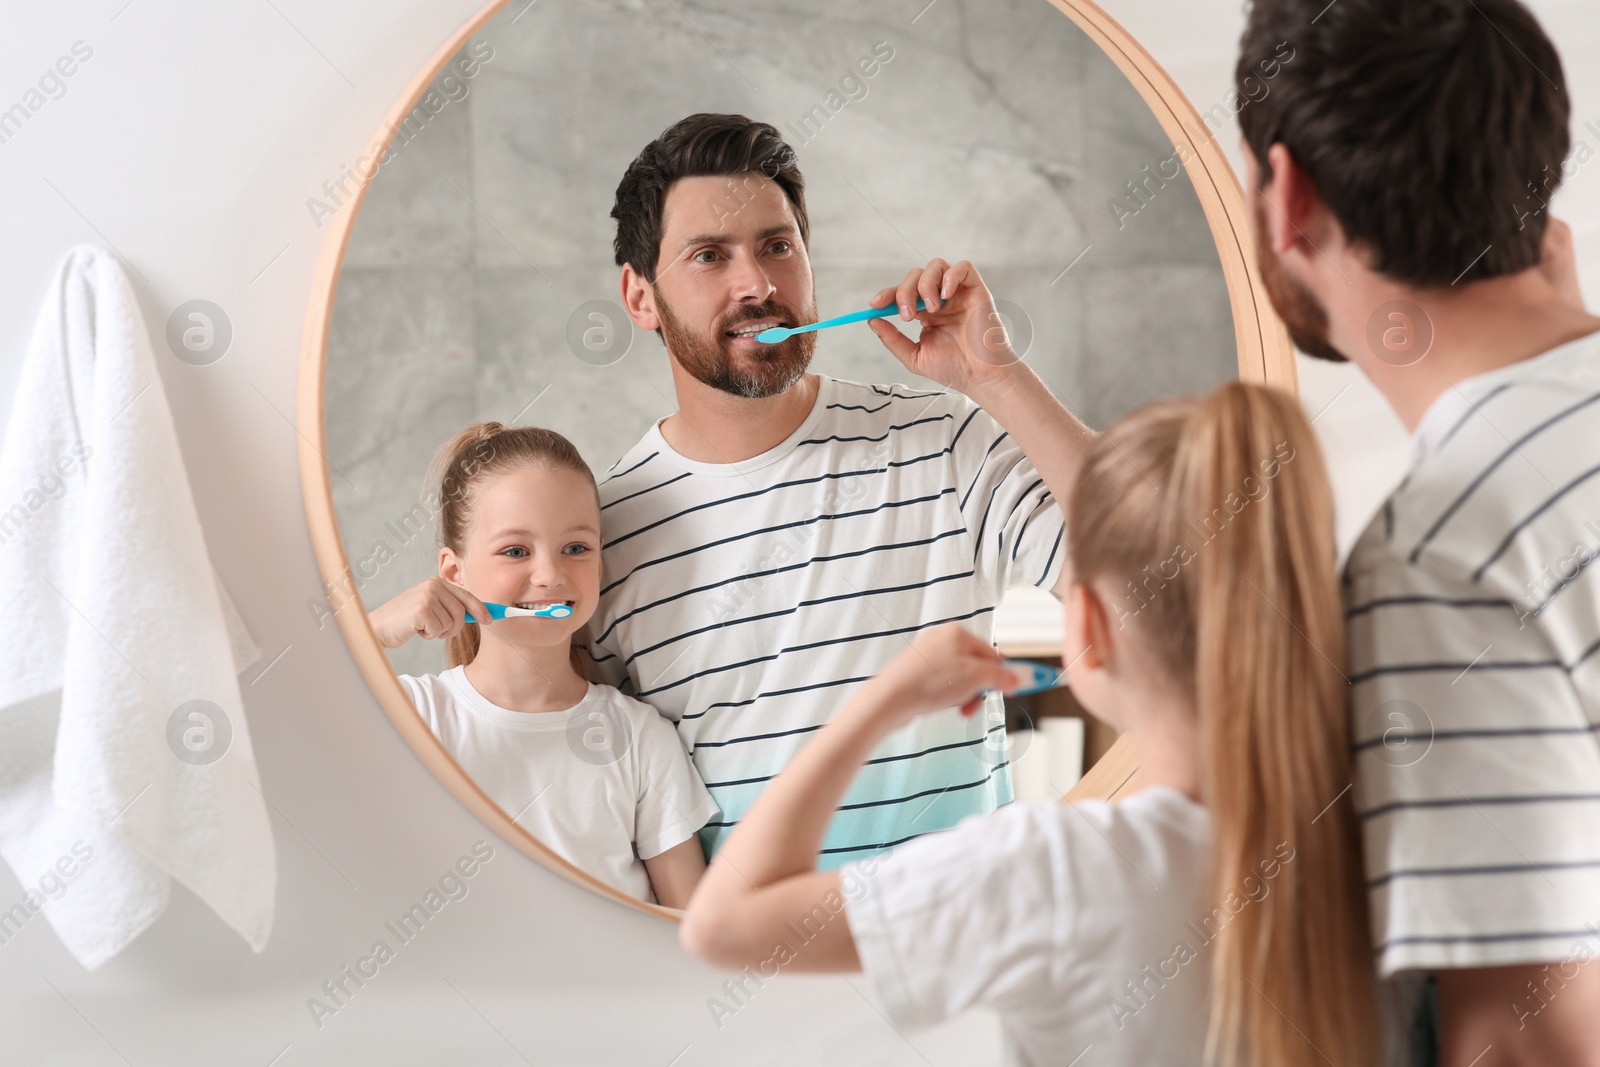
x=1215, y=912
x=599, y=777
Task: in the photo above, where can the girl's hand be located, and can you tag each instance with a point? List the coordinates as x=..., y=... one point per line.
x=946, y=665
x=433, y=608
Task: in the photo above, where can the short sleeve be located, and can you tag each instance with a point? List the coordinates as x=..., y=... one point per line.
x=673, y=802
x=969, y=916
x=421, y=699
x=1012, y=517
x=1477, y=770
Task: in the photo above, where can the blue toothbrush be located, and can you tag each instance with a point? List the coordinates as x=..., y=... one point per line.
x=1035, y=677
x=780, y=333
x=501, y=611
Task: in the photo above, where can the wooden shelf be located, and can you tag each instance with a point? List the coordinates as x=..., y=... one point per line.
x=1024, y=651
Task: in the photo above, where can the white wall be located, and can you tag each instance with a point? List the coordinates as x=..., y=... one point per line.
x=189, y=143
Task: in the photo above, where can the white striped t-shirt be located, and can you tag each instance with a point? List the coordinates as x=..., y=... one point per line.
x=1474, y=625
x=748, y=601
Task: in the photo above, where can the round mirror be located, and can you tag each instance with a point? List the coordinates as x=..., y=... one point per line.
x=470, y=274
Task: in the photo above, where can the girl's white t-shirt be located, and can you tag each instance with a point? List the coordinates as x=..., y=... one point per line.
x=606, y=784
x=1084, y=926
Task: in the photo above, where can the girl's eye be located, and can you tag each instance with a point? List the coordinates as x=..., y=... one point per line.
x=581, y=548
x=514, y=548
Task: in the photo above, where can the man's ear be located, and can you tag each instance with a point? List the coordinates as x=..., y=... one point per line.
x=639, y=299
x=1296, y=216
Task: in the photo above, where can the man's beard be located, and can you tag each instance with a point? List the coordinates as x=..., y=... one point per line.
x=1296, y=305
x=769, y=370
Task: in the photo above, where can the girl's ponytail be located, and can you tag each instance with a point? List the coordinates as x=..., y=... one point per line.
x=1211, y=519
x=1292, y=980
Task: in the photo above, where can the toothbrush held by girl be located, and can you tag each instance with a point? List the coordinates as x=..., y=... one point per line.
x=1216, y=913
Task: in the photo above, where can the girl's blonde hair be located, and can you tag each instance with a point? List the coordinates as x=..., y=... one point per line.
x=468, y=460
x=1213, y=519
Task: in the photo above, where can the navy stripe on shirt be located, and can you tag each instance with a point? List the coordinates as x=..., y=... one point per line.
x=647, y=489
x=1458, y=801
x=771, y=693
x=1464, y=872
x=771, y=529
x=886, y=433
x=896, y=800
x=881, y=759
x=835, y=598
x=630, y=470
x=774, y=570
x=813, y=644
x=1512, y=449
x=983, y=463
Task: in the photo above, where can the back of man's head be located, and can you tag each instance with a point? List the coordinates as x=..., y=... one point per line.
x=1434, y=130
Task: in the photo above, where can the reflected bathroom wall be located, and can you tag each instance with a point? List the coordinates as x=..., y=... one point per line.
x=1005, y=139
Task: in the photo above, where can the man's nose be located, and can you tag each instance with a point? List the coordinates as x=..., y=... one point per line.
x=750, y=280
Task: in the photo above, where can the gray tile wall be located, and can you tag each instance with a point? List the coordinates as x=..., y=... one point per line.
x=997, y=132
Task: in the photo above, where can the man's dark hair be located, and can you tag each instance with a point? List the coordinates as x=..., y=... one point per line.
x=700, y=145
x=1433, y=129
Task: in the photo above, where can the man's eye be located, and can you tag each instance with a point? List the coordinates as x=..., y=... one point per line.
x=784, y=244
x=703, y=252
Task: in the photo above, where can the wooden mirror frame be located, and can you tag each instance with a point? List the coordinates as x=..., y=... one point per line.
x=1265, y=355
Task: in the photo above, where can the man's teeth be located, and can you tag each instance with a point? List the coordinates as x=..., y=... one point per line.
x=747, y=331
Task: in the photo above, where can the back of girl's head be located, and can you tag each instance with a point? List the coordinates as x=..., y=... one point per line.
x=1206, y=523
x=461, y=469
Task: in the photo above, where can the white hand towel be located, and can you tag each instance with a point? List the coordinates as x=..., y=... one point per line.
x=110, y=600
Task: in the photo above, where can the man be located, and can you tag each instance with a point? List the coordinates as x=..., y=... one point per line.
x=781, y=536
x=1399, y=171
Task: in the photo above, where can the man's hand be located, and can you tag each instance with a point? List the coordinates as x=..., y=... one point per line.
x=964, y=344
